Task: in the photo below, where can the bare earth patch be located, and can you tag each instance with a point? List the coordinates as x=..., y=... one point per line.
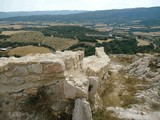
x=147, y=34
x=101, y=41
x=142, y=42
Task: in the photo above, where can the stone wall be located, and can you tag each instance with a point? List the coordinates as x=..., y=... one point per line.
x=45, y=86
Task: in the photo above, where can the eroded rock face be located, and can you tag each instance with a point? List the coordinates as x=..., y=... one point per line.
x=146, y=69
x=45, y=86
x=131, y=114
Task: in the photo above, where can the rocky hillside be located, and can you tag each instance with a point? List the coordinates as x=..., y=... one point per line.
x=136, y=92
x=68, y=86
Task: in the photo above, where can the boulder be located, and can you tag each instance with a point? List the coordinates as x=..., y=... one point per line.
x=82, y=110
x=76, y=86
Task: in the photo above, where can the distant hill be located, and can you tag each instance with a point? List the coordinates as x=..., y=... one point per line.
x=31, y=13
x=103, y=16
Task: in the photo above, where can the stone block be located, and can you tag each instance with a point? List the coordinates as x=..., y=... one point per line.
x=93, y=86
x=76, y=86
x=20, y=70
x=3, y=79
x=69, y=89
x=55, y=67
x=35, y=68
x=17, y=81
x=32, y=78
x=82, y=110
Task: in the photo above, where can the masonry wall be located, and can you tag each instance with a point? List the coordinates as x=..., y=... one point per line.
x=45, y=86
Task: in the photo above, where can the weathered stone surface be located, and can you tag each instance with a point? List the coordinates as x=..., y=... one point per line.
x=132, y=114
x=69, y=89
x=96, y=65
x=101, y=54
x=17, y=81
x=93, y=86
x=141, y=68
x=35, y=68
x=31, y=91
x=76, y=85
x=9, y=74
x=20, y=70
x=3, y=79
x=55, y=67
x=1, y=69
x=32, y=78
x=114, y=68
x=82, y=110
x=71, y=59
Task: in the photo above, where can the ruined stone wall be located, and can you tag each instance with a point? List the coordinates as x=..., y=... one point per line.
x=45, y=86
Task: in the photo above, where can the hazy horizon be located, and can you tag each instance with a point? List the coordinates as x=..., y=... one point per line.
x=88, y=5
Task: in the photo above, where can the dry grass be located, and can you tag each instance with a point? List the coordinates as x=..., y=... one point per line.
x=27, y=37
x=38, y=37
x=13, y=32
x=25, y=50
x=119, y=90
x=59, y=43
x=101, y=25
x=147, y=34
x=104, y=29
x=101, y=41
x=11, y=26
x=142, y=42
x=102, y=114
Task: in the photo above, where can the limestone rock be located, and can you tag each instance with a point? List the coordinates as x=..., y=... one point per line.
x=114, y=68
x=51, y=81
x=69, y=89
x=56, y=67
x=140, y=67
x=101, y=54
x=35, y=68
x=96, y=65
x=93, y=86
x=82, y=110
x=17, y=81
x=32, y=78
x=76, y=86
x=133, y=114
x=3, y=79
x=20, y=70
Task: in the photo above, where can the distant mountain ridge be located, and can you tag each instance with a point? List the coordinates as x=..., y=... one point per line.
x=103, y=16
x=31, y=13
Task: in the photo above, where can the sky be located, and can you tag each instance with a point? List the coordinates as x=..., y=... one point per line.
x=44, y=5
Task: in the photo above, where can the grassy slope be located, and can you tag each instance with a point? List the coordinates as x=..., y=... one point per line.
x=38, y=37
x=25, y=50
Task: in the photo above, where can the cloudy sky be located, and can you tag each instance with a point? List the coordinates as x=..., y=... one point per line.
x=32, y=5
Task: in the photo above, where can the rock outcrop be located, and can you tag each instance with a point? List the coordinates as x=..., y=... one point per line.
x=146, y=69
x=145, y=82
